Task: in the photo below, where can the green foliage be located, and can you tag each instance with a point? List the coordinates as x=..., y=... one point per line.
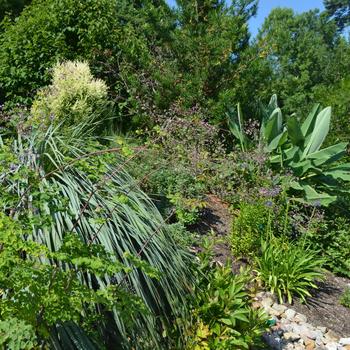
x=12, y=7
x=296, y=146
x=339, y=10
x=187, y=210
x=15, y=334
x=303, y=51
x=331, y=237
x=152, y=58
x=249, y=226
x=337, y=97
x=42, y=294
x=223, y=317
x=288, y=269
x=90, y=30
x=345, y=298
x=55, y=191
x=207, y=46
x=181, y=235
x=74, y=99
x=177, y=166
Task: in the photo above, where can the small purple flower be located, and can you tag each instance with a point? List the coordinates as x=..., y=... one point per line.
x=264, y=192
x=268, y=204
x=316, y=203
x=13, y=167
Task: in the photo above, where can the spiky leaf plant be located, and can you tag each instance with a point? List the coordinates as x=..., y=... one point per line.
x=94, y=198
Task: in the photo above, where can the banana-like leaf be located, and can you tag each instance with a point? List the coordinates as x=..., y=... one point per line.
x=278, y=141
x=328, y=155
x=273, y=126
x=301, y=168
x=319, y=132
x=312, y=196
x=309, y=122
x=294, y=131
x=340, y=172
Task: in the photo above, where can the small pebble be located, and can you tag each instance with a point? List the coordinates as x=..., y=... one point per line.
x=344, y=341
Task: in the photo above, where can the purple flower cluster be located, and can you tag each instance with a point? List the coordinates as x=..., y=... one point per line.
x=267, y=192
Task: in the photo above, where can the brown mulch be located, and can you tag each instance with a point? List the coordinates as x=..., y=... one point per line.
x=217, y=218
x=323, y=309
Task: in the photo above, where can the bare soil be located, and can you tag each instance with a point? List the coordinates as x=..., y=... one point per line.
x=322, y=309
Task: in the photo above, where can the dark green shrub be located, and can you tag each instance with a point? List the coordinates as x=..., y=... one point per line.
x=12, y=7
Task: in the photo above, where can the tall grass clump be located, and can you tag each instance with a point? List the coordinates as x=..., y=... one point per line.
x=288, y=269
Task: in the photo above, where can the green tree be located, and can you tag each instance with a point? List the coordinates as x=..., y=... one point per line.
x=339, y=10
x=303, y=51
x=209, y=41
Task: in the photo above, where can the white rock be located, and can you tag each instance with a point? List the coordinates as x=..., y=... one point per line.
x=322, y=329
x=291, y=336
x=344, y=341
x=331, y=346
x=266, y=303
x=299, y=318
x=289, y=314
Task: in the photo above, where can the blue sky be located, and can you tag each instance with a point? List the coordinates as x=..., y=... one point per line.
x=265, y=6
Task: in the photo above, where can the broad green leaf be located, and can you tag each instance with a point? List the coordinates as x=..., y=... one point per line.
x=341, y=172
x=309, y=122
x=273, y=126
x=235, y=123
x=294, y=131
x=319, y=132
x=277, y=141
x=329, y=154
x=312, y=196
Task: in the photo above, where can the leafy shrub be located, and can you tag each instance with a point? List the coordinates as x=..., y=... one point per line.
x=74, y=99
x=223, y=317
x=12, y=7
x=331, y=236
x=288, y=269
x=345, y=298
x=110, y=37
x=251, y=224
x=15, y=334
x=175, y=168
x=181, y=235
